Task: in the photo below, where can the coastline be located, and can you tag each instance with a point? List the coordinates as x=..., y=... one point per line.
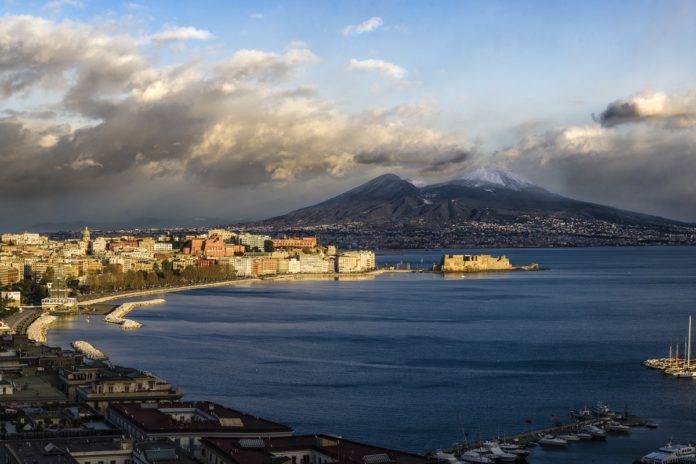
x=38, y=329
x=248, y=280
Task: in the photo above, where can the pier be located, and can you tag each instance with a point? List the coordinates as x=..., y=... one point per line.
x=88, y=350
x=39, y=327
x=610, y=423
x=117, y=315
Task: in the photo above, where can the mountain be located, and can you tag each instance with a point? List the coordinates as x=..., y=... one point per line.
x=484, y=195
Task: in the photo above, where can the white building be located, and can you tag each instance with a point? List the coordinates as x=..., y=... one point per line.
x=14, y=298
x=57, y=302
x=253, y=241
x=243, y=265
x=316, y=264
x=162, y=247
x=356, y=261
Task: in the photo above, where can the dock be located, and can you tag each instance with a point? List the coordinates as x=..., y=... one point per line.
x=530, y=438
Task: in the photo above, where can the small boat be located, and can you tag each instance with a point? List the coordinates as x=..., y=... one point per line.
x=499, y=454
x=474, y=458
x=584, y=436
x=615, y=427
x=670, y=454
x=551, y=441
x=515, y=449
x=651, y=425
x=442, y=456
x=568, y=437
x=597, y=433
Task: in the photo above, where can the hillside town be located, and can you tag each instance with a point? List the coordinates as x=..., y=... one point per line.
x=40, y=271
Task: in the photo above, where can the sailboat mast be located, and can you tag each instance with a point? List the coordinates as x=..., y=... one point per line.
x=688, y=353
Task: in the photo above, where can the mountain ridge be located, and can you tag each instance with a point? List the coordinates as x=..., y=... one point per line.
x=480, y=195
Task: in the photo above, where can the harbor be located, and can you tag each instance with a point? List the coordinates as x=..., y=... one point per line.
x=598, y=423
x=676, y=365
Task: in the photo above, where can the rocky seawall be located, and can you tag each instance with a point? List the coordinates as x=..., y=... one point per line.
x=117, y=315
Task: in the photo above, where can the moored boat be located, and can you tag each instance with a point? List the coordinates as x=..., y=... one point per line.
x=670, y=454
x=597, y=433
x=551, y=441
x=473, y=457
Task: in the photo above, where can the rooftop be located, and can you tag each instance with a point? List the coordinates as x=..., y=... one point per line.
x=246, y=451
x=203, y=416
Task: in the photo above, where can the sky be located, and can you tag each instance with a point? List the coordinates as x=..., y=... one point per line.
x=112, y=110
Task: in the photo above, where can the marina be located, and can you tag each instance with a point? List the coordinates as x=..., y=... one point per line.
x=596, y=424
x=675, y=365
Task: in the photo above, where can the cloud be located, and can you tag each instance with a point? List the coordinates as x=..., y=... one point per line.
x=55, y=5
x=381, y=66
x=368, y=25
x=174, y=33
x=256, y=16
x=265, y=66
x=188, y=131
x=643, y=167
x=672, y=110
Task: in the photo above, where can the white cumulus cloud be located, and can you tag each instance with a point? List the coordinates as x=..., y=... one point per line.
x=381, y=66
x=175, y=33
x=368, y=25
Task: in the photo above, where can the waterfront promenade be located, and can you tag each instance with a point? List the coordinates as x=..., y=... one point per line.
x=232, y=282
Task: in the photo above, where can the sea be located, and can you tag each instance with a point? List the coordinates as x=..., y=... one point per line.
x=418, y=361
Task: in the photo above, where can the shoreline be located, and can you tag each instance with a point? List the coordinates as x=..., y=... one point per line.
x=248, y=280
x=38, y=329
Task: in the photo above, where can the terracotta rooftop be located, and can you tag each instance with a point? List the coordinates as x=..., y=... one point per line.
x=209, y=417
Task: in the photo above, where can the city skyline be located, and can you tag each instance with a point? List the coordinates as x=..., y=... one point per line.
x=116, y=110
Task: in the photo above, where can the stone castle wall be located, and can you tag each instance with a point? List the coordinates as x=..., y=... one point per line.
x=475, y=263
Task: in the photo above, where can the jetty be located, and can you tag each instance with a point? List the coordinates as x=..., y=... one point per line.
x=117, y=315
x=37, y=329
x=88, y=350
x=588, y=425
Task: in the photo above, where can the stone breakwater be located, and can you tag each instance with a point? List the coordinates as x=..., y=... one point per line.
x=37, y=329
x=88, y=350
x=117, y=315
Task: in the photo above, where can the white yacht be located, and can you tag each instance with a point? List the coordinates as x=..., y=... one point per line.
x=515, y=449
x=669, y=454
x=596, y=432
x=569, y=437
x=498, y=453
x=550, y=440
x=618, y=428
x=473, y=457
x=442, y=456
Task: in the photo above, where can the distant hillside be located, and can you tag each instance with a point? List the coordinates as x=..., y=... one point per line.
x=480, y=195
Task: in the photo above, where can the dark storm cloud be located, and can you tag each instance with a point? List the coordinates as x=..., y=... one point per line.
x=673, y=111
